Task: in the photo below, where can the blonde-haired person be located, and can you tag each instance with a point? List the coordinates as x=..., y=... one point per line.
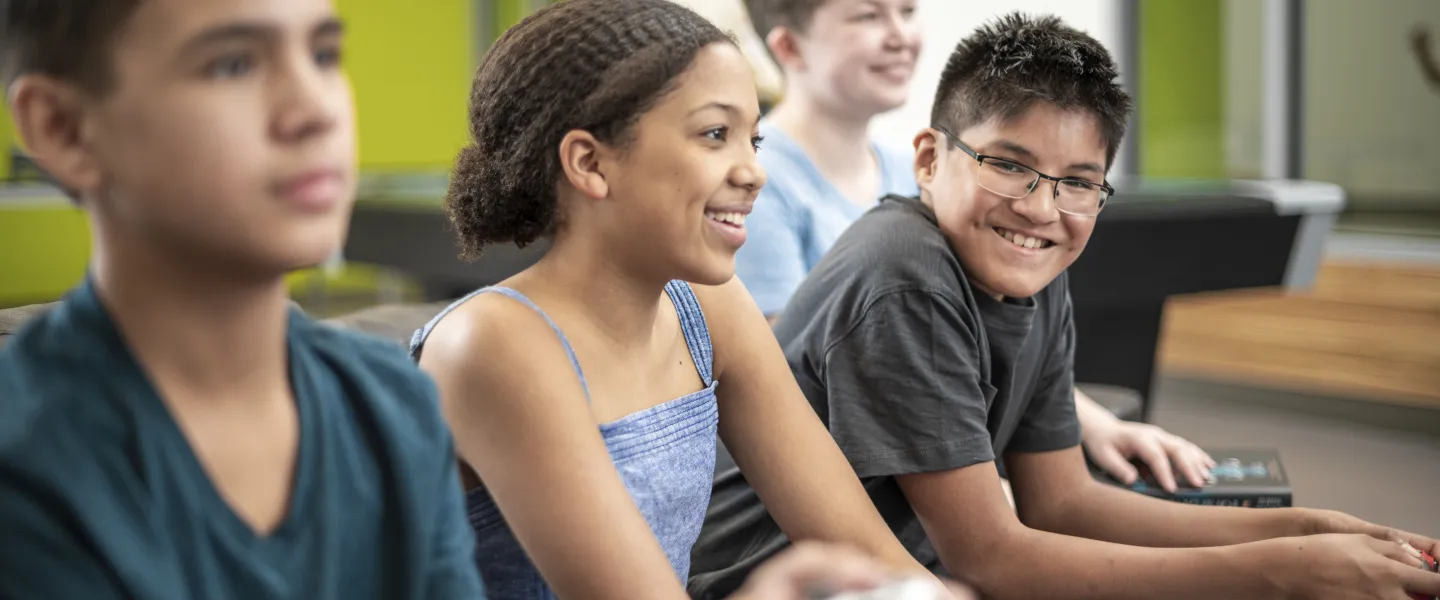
x=733, y=17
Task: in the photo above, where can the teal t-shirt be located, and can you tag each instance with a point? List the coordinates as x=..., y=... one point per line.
x=102, y=497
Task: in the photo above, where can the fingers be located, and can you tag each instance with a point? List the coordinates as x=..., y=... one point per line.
x=1351, y=524
x=1209, y=460
x=1412, y=574
x=1410, y=557
x=1110, y=459
x=1150, y=451
x=1191, y=462
x=808, y=568
x=1420, y=581
x=1420, y=542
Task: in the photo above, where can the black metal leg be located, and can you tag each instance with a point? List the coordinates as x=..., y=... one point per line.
x=1117, y=345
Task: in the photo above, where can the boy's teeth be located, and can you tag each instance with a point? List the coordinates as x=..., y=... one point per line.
x=733, y=218
x=1022, y=240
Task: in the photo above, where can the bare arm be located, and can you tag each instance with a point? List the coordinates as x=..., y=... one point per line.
x=521, y=420
x=976, y=534
x=1054, y=492
x=778, y=441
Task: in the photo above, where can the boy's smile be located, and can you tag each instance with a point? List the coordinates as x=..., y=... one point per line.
x=1021, y=240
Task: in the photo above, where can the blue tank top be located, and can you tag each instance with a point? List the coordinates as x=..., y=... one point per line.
x=665, y=454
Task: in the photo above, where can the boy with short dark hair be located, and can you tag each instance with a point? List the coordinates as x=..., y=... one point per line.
x=175, y=428
x=937, y=335
x=844, y=63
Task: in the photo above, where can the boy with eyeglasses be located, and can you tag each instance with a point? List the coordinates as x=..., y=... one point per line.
x=844, y=63
x=936, y=335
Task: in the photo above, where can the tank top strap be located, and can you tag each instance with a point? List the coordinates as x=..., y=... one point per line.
x=417, y=341
x=692, y=323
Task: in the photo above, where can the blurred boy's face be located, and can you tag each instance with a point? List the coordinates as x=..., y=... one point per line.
x=857, y=55
x=1012, y=247
x=227, y=136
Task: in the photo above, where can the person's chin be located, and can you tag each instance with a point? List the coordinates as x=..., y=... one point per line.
x=883, y=101
x=303, y=252
x=717, y=270
x=1011, y=282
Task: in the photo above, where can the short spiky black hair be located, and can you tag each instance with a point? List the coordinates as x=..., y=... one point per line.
x=1006, y=66
x=66, y=39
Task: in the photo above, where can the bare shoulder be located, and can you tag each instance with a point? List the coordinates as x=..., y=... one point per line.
x=492, y=344
x=726, y=302
x=737, y=327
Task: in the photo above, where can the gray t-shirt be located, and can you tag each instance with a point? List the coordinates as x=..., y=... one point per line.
x=913, y=371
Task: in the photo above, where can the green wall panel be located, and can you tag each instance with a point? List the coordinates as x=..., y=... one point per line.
x=7, y=138
x=411, y=66
x=1182, y=94
x=44, y=246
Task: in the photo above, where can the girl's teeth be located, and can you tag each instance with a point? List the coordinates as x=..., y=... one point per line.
x=733, y=218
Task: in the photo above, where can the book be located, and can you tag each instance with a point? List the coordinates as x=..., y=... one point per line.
x=1245, y=477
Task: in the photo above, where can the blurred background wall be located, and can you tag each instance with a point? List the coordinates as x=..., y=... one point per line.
x=410, y=69
x=1369, y=122
x=945, y=23
x=1372, y=124
x=1342, y=375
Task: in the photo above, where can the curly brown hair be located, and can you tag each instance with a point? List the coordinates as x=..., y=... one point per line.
x=592, y=65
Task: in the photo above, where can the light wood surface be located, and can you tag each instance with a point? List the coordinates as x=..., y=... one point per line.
x=1368, y=331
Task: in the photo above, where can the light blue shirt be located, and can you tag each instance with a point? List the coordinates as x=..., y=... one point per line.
x=800, y=214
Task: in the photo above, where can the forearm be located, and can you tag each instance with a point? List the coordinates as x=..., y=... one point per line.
x=1088, y=410
x=826, y=502
x=1036, y=564
x=1104, y=512
x=1093, y=417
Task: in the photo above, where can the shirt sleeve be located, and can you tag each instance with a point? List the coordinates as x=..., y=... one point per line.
x=1050, y=422
x=42, y=553
x=904, y=389
x=771, y=263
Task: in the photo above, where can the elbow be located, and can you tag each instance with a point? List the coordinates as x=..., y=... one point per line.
x=986, y=565
x=1052, y=512
x=1043, y=518
x=985, y=578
